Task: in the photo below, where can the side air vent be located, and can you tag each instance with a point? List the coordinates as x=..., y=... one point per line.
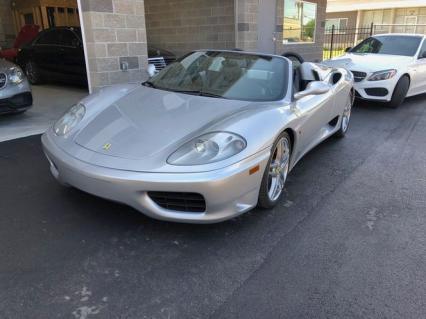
x=182, y=202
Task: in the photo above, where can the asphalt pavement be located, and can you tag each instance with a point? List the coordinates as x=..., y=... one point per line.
x=348, y=240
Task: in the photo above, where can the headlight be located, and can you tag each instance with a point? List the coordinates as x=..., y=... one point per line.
x=16, y=75
x=69, y=120
x=208, y=148
x=382, y=75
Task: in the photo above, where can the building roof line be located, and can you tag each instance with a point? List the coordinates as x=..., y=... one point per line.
x=353, y=5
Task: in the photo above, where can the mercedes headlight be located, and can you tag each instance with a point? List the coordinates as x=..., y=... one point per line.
x=15, y=75
x=69, y=120
x=208, y=148
x=382, y=75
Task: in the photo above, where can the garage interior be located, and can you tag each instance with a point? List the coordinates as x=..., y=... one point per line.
x=50, y=99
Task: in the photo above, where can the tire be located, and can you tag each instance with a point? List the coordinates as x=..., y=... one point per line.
x=33, y=73
x=400, y=92
x=346, y=116
x=293, y=57
x=267, y=197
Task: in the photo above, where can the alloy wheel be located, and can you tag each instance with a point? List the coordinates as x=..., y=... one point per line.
x=278, y=169
x=347, y=114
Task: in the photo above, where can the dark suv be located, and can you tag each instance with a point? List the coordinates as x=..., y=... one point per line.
x=56, y=54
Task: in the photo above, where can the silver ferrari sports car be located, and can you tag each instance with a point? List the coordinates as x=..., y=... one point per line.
x=208, y=138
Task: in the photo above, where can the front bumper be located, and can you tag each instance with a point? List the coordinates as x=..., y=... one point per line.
x=228, y=192
x=380, y=91
x=16, y=103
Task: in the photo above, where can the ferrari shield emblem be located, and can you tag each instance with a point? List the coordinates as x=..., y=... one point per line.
x=106, y=146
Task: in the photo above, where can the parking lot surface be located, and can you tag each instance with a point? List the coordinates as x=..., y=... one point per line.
x=348, y=240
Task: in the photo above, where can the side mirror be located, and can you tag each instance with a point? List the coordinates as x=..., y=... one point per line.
x=151, y=70
x=348, y=49
x=313, y=88
x=422, y=55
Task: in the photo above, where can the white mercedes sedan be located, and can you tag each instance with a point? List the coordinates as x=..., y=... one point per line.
x=387, y=67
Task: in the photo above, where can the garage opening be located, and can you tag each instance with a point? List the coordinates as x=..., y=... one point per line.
x=47, y=47
x=176, y=28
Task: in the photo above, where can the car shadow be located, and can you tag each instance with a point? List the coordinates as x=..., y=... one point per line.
x=382, y=107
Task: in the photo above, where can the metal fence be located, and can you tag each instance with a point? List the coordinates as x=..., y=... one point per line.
x=336, y=39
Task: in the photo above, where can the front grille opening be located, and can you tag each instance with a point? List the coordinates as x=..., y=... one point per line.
x=359, y=76
x=160, y=62
x=179, y=201
x=377, y=91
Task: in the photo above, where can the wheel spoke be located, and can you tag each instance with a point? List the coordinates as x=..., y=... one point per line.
x=278, y=169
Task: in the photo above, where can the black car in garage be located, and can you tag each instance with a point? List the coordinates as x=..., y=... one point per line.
x=56, y=54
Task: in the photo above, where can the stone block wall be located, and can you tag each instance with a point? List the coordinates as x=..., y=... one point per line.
x=185, y=25
x=7, y=29
x=247, y=11
x=115, y=33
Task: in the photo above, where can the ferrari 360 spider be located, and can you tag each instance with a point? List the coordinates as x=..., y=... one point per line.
x=208, y=138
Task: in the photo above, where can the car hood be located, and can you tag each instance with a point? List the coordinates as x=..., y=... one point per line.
x=149, y=122
x=368, y=62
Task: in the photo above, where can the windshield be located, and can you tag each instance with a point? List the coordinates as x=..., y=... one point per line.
x=393, y=45
x=229, y=75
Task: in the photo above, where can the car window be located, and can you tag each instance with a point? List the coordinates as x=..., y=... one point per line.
x=49, y=38
x=393, y=45
x=225, y=74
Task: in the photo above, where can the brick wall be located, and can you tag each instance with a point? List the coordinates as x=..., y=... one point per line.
x=247, y=24
x=114, y=33
x=185, y=25
x=309, y=51
x=7, y=29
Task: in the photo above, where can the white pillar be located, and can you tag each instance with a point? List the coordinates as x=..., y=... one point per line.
x=358, y=23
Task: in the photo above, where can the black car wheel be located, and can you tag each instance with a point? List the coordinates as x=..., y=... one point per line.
x=296, y=58
x=400, y=92
x=32, y=72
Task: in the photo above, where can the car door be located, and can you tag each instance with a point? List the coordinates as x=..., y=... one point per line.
x=72, y=56
x=418, y=81
x=313, y=112
x=340, y=94
x=45, y=53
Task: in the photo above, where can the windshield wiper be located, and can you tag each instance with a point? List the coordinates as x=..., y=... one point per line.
x=149, y=84
x=200, y=93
